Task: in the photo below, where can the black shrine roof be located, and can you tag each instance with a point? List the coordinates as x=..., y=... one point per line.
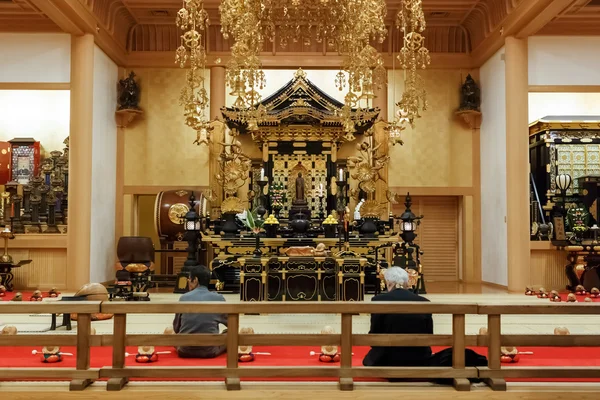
x=301, y=102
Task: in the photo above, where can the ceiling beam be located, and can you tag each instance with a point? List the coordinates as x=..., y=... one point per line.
x=527, y=16
x=58, y=16
x=166, y=59
x=75, y=18
x=543, y=18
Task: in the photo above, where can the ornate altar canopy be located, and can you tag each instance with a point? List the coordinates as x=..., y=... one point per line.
x=301, y=111
x=300, y=131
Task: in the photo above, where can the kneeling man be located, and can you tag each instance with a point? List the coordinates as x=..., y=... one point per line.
x=396, y=280
x=199, y=323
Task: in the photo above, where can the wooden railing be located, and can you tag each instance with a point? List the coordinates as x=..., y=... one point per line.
x=82, y=375
x=118, y=375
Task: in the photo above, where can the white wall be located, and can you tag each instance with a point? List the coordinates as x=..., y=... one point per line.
x=493, y=171
x=39, y=114
x=276, y=78
x=35, y=57
x=104, y=164
x=563, y=104
x=564, y=60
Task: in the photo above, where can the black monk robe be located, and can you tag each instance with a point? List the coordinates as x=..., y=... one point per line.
x=399, y=324
x=410, y=324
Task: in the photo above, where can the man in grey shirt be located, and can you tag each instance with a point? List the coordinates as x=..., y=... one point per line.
x=199, y=323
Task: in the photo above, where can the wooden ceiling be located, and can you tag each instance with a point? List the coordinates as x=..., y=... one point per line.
x=143, y=32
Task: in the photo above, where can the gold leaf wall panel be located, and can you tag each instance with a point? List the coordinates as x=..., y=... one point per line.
x=159, y=147
x=48, y=269
x=547, y=269
x=439, y=151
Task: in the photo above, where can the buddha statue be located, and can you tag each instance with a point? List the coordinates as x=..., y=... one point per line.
x=470, y=95
x=300, y=188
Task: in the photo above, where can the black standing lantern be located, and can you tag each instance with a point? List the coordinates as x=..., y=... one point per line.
x=412, y=252
x=192, y=227
x=409, y=222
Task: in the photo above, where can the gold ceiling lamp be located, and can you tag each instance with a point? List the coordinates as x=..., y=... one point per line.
x=193, y=21
x=413, y=56
x=362, y=70
x=348, y=26
x=394, y=128
x=243, y=19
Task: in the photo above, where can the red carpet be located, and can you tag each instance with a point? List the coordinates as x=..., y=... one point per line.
x=298, y=356
x=25, y=295
x=563, y=297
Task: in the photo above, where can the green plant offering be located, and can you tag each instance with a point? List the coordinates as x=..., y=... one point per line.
x=253, y=222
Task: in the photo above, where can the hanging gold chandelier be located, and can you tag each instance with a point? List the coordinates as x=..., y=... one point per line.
x=193, y=21
x=413, y=56
x=347, y=25
x=243, y=20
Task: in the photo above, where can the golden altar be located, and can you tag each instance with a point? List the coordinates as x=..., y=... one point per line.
x=342, y=275
x=302, y=278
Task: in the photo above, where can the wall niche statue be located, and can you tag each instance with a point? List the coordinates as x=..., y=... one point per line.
x=129, y=93
x=470, y=95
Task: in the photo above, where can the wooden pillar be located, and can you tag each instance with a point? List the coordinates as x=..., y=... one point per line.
x=517, y=163
x=217, y=101
x=217, y=92
x=120, y=192
x=80, y=160
x=471, y=207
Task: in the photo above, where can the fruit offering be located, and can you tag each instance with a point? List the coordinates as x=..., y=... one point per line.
x=271, y=220
x=330, y=220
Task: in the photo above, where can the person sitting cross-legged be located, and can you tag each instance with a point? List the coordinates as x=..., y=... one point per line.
x=396, y=280
x=199, y=323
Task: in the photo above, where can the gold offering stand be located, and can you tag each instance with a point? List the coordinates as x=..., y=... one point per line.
x=6, y=262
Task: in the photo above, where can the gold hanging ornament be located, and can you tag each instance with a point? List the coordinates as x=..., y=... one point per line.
x=193, y=21
x=348, y=26
x=413, y=56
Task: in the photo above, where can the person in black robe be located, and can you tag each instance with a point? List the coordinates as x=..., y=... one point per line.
x=396, y=280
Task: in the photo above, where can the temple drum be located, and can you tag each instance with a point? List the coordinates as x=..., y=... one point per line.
x=169, y=209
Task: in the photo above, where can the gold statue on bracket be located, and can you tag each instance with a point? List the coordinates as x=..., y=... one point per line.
x=367, y=165
x=234, y=171
x=366, y=169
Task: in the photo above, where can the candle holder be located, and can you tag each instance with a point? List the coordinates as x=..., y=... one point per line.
x=5, y=198
x=17, y=224
x=26, y=204
x=262, y=199
x=44, y=189
x=6, y=258
x=57, y=192
x=35, y=202
x=322, y=206
x=341, y=197
x=52, y=228
x=595, y=230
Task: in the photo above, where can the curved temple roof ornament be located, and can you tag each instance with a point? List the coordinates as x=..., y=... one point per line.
x=300, y=111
